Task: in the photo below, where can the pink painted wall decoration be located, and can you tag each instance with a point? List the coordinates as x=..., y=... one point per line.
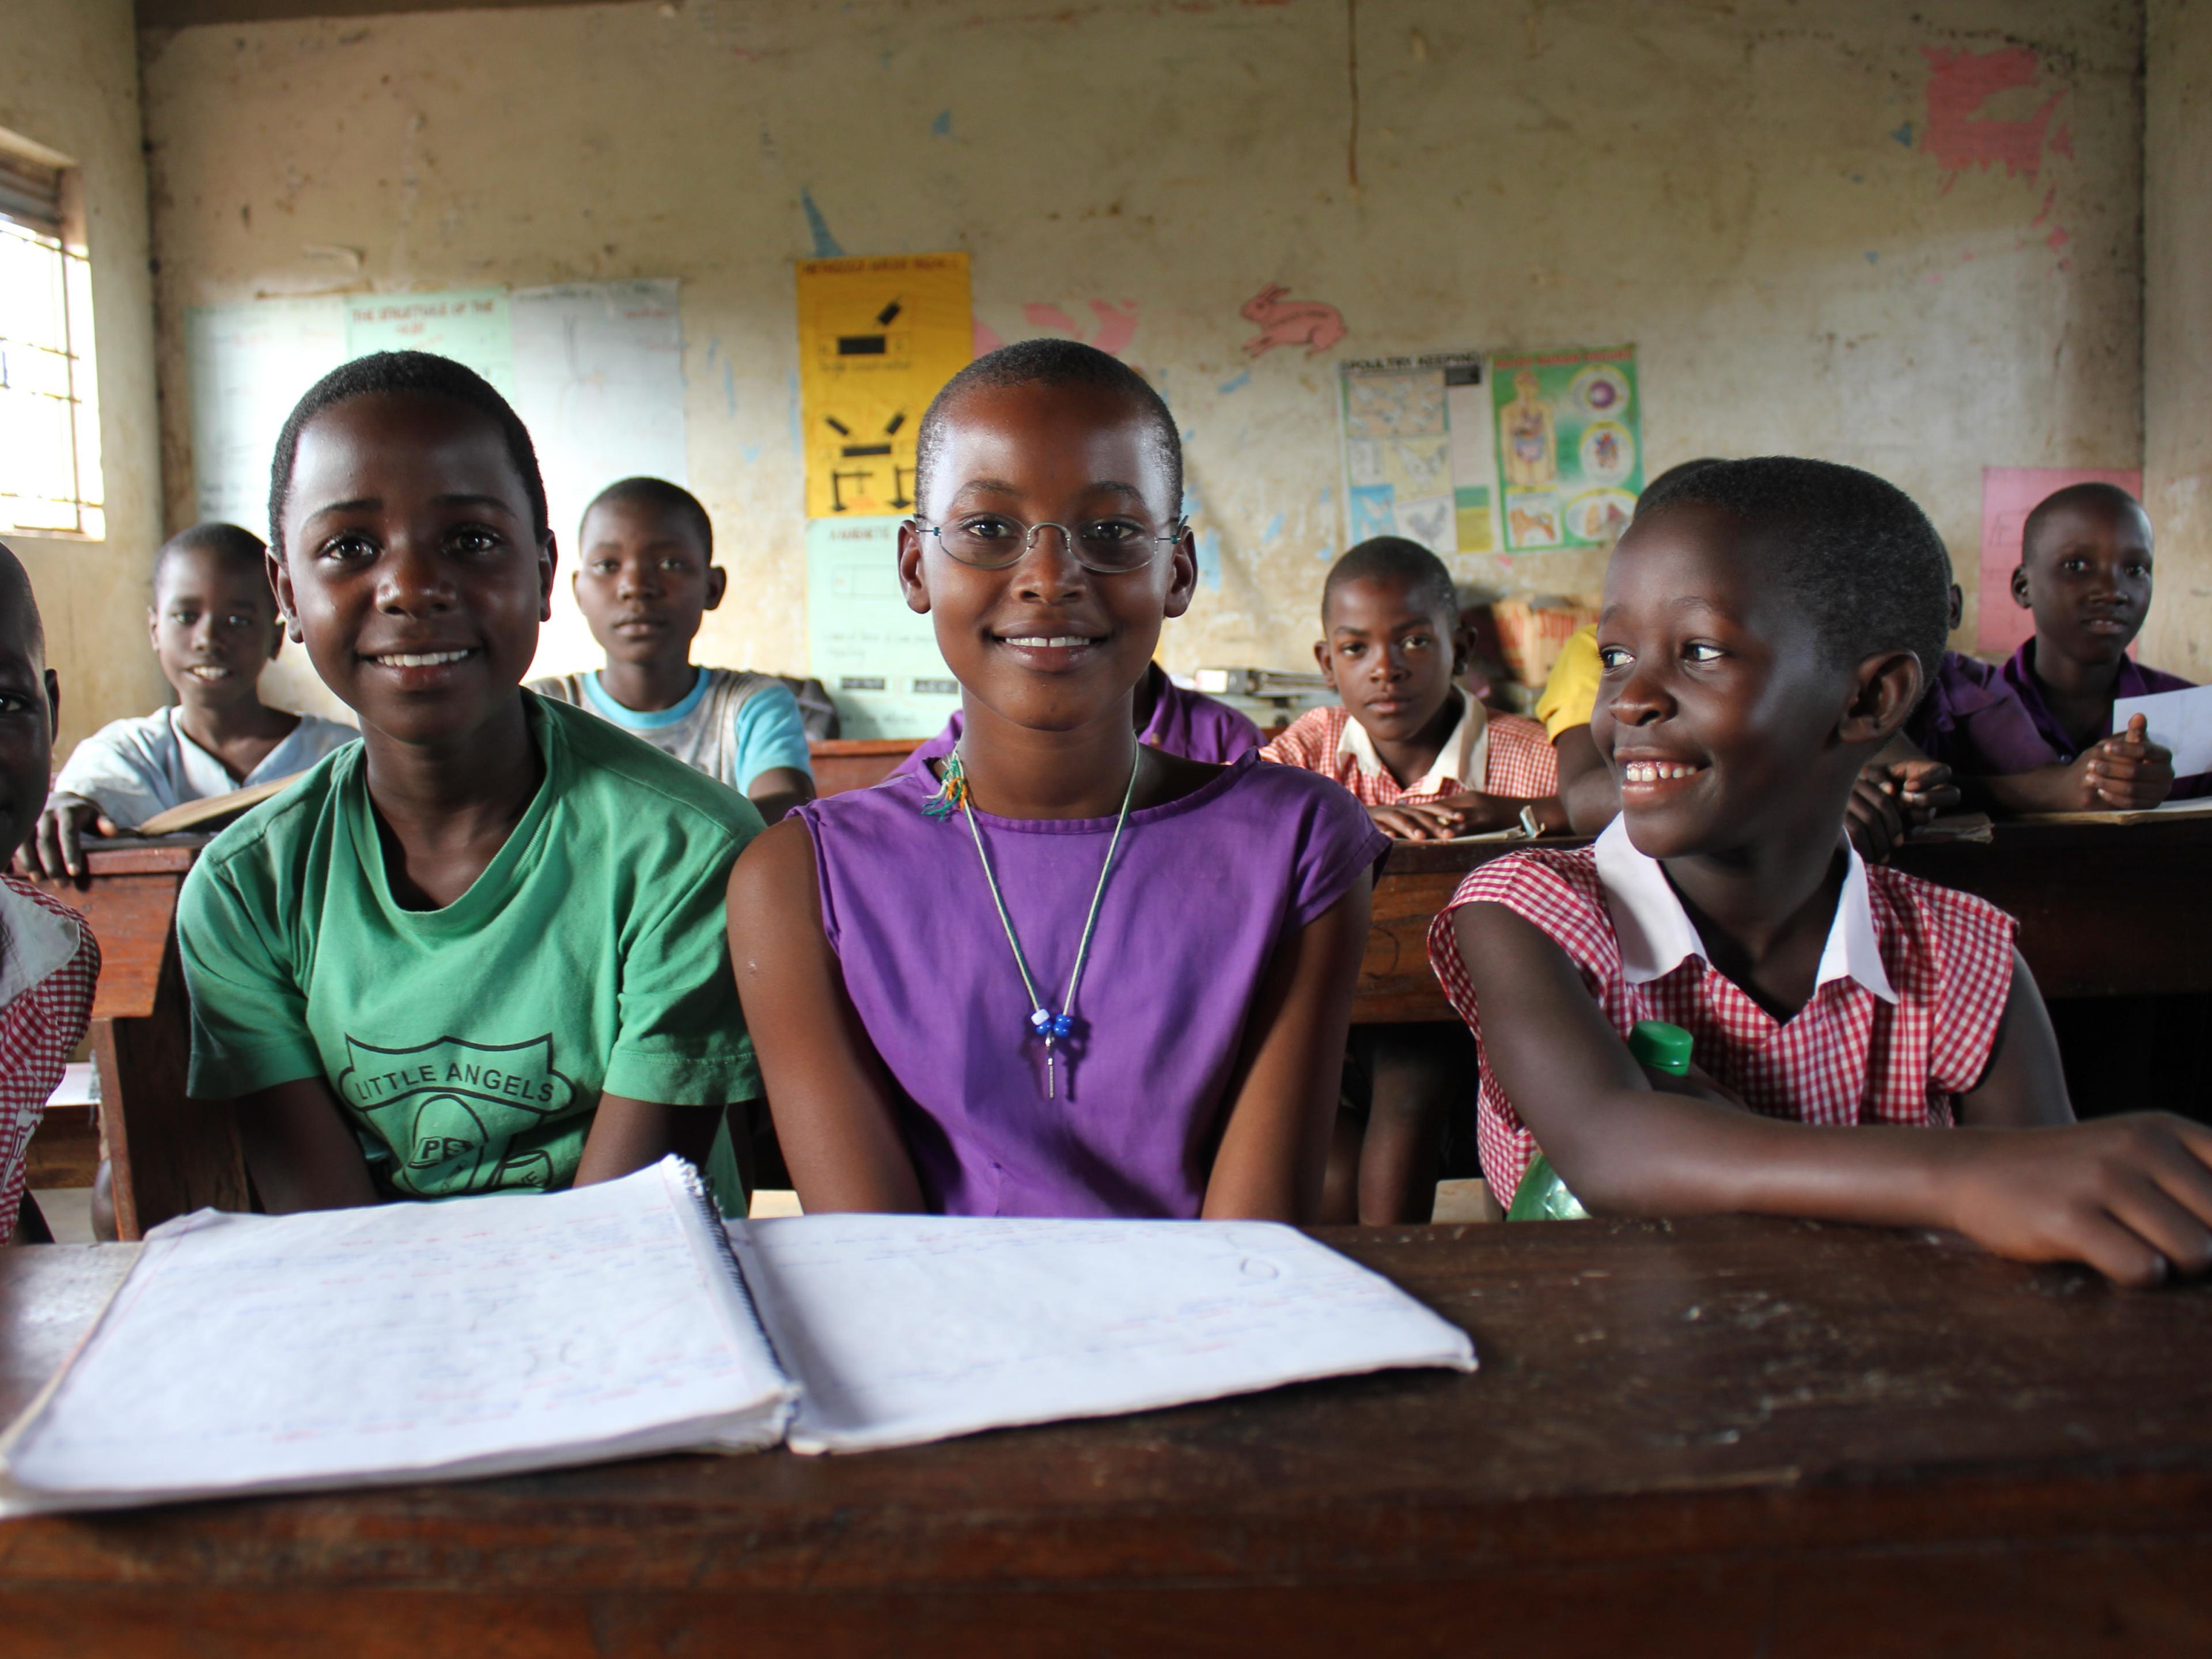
x=2009, y=494
x=1116, y=320
x=1284, y=321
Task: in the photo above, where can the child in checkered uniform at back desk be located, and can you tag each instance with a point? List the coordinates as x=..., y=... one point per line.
x=1763, y=634
x=48, y=959
x=1429, y=763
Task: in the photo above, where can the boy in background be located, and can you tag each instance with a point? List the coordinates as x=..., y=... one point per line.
x=645, y=576
x=2084, y=572
x=214, y=627
x=1429, y=763
x=48, y=958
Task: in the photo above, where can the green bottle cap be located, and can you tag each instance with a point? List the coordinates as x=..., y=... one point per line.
x=1662, y=1047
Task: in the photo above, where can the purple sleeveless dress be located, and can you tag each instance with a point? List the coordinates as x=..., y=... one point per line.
x=1202, y=891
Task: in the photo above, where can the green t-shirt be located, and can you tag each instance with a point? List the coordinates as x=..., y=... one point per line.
x=473, y=1042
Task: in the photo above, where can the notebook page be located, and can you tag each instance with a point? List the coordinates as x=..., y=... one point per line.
x=901, y=1329
x=257, y=1352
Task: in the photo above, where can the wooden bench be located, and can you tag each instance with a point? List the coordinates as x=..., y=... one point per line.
x=168, y=1155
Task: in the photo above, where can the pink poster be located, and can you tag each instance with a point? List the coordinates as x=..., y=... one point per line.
x=2008, y=494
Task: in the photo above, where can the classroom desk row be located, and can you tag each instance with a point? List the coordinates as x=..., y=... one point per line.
x=1726, y=1436
x=2112, y=919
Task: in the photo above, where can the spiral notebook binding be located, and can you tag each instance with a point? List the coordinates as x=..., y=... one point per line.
x=689, y=1177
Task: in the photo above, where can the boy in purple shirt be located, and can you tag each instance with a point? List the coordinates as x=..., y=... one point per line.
x=2036, y=735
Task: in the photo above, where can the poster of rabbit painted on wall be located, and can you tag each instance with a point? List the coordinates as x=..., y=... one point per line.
x=1418, y=457
x=1570, y=444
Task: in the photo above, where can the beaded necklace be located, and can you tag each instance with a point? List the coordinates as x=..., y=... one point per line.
x=953, y=795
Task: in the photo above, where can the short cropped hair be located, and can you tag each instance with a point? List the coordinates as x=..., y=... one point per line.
x=2108, y=496
x=1048, y=362
x=233, y=544
x=1393, y=558
x=1854, y=552
x=18, y=601
x=1672, y=476
x=417, y=373
x=674, y=500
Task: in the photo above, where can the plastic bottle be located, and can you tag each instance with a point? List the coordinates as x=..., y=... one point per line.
x=1542, y=1196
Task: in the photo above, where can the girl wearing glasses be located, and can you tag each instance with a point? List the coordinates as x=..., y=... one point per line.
x=1061, y=972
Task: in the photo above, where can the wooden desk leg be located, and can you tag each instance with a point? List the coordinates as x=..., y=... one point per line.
x=169, y=1154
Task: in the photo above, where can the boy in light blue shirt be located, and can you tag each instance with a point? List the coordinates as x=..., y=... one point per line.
x=645, y=577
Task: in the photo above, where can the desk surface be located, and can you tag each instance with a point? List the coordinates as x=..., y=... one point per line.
x=1793, y=1439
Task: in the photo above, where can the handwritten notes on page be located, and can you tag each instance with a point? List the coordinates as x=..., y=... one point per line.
x=908, y=1329
x=249, y=1354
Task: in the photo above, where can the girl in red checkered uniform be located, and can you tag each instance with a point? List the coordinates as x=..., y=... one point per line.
x=1766, y=629
x=48, y=960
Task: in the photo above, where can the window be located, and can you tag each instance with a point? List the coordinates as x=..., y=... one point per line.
x=50, y=480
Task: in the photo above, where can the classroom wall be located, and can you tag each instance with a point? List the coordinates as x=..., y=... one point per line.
x=69, y=81
x=1906, y=238
x=2178, y=331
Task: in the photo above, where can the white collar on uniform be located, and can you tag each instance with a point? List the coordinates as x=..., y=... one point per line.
x=1656, y=934
x=34, y=943
x=1465, y=757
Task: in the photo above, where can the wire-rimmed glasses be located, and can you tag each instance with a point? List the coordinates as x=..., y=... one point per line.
x=992, y=541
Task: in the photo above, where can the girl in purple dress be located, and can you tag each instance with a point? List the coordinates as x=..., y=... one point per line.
x=1066, y=973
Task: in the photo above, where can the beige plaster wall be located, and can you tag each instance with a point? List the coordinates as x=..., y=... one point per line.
x=69, y=81
x=2178, y=329
x=1824, y=234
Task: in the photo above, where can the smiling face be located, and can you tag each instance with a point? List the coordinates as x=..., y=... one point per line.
x=1722, y=712
x=643, y=581
x=411, y=566
x=214, y=626
x=2086, y=577
x=1391, y=654
x=1045, y=643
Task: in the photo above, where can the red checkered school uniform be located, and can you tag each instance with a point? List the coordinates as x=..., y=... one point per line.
x=49, y=962
x=1486, y=754
x=1911, y=991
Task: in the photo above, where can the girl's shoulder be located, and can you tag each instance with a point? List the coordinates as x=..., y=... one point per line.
x=1557, y=892
x=1937, y=941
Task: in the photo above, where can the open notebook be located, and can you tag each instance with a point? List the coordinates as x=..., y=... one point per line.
x=410, y=1341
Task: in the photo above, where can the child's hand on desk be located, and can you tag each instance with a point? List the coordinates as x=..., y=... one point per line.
x=1436, y=821
x=56, y=847
x=2131, y=1196
x=1891, y=798
x=2126, y=771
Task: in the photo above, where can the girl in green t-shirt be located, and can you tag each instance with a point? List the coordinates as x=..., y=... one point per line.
x=482, y=949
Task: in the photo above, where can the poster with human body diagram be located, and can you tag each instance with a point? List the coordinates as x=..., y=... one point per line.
x=1570, y=444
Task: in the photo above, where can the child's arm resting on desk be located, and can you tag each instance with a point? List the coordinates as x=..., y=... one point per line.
x=1283, y=1094
x=2127, y=1196
x=827, y=1090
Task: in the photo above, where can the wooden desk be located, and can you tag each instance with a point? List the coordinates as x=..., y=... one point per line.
x=1730, y=1438
x=168, y=1155
x=2104, y=910
x=842, y=763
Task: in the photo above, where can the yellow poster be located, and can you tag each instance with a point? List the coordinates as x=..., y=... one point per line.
x=877, y=339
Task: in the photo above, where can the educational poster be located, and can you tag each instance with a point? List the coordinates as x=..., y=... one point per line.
x=1570, y=444
x=471, y=325
x=1418, y=452
x=246, y=366
x=878, y=337
x=2009, y=494
x=878, y=658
